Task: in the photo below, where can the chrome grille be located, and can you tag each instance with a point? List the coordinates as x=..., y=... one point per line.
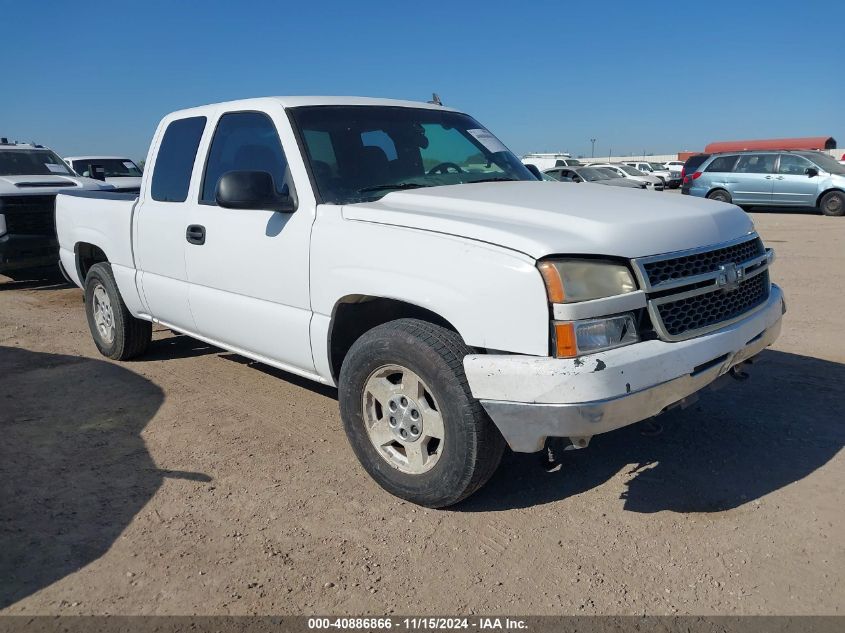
x=29, y=215
x=702, y=311
x=658, y=272
x=694, y=292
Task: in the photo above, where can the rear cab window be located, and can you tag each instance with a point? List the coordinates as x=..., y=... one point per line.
x=175, y=159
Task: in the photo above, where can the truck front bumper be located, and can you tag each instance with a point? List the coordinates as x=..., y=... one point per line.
x=18, y=252
x=533, y=398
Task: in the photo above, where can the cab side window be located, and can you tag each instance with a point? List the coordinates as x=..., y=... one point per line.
x=245, y=141
x=756, y=163
x=175, y=159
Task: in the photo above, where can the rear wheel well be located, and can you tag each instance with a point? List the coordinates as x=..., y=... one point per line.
x=86, y=256
x=356, y=314
x=715, y=189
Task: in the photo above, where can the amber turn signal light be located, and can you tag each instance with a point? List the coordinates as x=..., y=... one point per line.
x=554, y=284
x=565, y=346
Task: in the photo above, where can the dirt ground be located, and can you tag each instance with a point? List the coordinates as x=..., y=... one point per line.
x=194, y=481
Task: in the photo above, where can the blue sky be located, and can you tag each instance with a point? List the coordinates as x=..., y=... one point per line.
x=95, y=77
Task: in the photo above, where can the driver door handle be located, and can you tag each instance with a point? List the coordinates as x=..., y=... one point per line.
x=195, y=234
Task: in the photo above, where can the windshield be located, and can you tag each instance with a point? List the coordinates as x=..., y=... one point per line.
x=830, y=165
x=657, y=166
x=592, y=174
x=31, y=162
x=114, y=167
x=630, y=170
x=361, y=153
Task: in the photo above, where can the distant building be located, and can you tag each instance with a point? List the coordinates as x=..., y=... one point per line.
x=808, y=143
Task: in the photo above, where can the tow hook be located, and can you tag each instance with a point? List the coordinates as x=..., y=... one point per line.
x=551, y=454
x=553, y=449
x=737, y=373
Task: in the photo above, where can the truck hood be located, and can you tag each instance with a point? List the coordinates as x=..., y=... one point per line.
x=546, y=218
x=45, y=185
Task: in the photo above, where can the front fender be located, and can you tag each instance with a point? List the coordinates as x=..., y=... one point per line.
x=493, y=296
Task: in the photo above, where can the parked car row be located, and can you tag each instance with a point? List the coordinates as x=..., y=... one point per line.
x=652, y=175
x=595, y=175
x=768, y=178
x=614, y=174
x=670, y=174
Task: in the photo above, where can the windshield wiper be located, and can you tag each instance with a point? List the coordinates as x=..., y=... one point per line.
x=499, y=179
x=398, y=185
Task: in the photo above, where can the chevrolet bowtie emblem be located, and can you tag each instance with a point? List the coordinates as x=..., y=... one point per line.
x=730, y=277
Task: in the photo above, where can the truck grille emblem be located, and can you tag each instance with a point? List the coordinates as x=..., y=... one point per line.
x=730, y=277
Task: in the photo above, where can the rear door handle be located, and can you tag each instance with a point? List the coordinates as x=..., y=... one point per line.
x=780, y=178
x=195, y=234
x=768, y=177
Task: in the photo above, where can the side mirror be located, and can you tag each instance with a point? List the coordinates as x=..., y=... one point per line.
x=252, y=190
x=811, y=172
x=534, y=170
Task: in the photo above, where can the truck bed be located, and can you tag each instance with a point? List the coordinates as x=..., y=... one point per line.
x=95, y=217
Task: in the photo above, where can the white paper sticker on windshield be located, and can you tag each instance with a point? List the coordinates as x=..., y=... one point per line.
x=486, y=138
x=129, y=164
x=56, y=169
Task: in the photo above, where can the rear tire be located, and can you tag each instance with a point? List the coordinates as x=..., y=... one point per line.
x=410, y=370
x=719, y=195
x=833, y=204
x=115, y=331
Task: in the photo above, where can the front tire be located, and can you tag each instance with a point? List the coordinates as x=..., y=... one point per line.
x=833, y=204
x=719, y=195
x=410, y=416
x=115, y=331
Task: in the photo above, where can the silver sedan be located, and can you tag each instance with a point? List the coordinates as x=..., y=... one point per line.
x=594, y=175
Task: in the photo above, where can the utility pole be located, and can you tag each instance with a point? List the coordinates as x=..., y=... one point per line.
x=593, y=151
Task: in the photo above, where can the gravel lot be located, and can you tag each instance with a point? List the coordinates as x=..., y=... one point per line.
x=195, y=481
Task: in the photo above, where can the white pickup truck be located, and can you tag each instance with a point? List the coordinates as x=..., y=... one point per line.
x=399, y=251
x=120, y=172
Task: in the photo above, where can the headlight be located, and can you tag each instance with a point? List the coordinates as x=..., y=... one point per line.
x=572, y=280
x=2, y=225
x=594, y=335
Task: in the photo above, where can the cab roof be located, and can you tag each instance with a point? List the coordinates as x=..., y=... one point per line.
x=300, y=101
